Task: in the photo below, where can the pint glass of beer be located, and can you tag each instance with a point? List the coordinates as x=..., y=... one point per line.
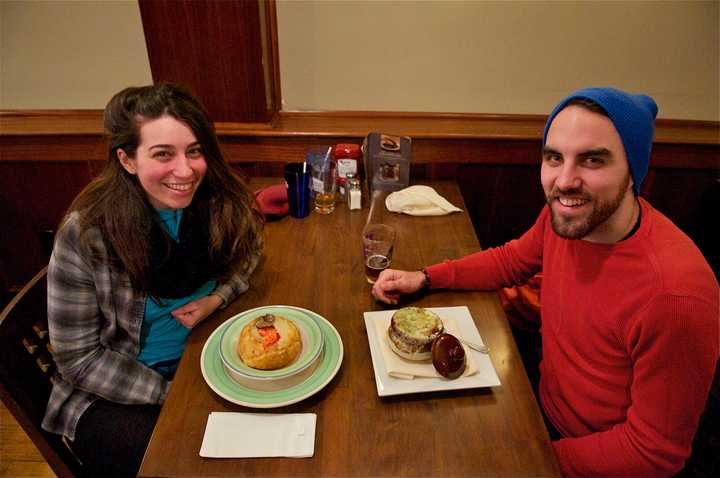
x=378, y=243
x=324, y=178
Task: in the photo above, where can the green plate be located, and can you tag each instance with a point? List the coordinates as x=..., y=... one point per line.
x=312, y=342
x=217, y=379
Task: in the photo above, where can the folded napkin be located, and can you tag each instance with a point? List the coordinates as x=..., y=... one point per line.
x=248, y=435
x=399, y=367
x=419, y=201
x=273, y=201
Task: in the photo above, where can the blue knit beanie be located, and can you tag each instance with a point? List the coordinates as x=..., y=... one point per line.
x=634, y=120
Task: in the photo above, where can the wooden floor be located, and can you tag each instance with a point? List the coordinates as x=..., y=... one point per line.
x=18, y=456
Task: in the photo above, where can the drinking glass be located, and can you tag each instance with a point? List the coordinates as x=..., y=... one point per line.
x=324, y=176
x=378, y=245
x=297, y=182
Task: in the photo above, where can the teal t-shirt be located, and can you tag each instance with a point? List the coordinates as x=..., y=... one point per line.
x=162, y=338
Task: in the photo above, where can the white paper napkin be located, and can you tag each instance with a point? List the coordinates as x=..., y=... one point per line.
x=248, y=435
x=399, y=367
x=419, y=201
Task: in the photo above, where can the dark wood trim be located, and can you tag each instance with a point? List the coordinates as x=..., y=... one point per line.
x=356, y=124
x=51, y=122
x=274, y=54
x=215, y=49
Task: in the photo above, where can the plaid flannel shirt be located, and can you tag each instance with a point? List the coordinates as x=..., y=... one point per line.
x=94, y=318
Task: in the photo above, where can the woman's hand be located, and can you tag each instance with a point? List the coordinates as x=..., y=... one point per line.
x=194, y=312
x=392, y=283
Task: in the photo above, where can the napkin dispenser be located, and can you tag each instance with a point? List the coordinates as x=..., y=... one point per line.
x=386, y=159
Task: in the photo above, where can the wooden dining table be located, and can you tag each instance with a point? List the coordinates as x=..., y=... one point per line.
x=317, y=263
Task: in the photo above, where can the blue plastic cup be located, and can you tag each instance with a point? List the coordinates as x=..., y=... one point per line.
x=297, y=181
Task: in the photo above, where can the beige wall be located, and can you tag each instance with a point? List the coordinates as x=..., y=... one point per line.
x=69, y=54
x=472, y=56
x=496, y=57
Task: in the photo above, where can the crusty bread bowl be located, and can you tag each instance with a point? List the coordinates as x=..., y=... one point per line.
x=269, y=342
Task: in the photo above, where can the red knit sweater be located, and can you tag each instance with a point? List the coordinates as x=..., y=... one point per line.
x=630, y=334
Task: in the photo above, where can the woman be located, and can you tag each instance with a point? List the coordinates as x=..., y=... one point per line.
x=163, y=237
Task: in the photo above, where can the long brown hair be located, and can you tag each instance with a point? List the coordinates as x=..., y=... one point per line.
x=117, y=205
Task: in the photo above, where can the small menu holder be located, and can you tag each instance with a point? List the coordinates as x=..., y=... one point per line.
x=386, y=160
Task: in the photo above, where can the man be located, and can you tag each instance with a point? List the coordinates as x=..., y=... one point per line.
x=629, y=306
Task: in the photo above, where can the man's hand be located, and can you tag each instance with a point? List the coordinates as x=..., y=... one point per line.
x=194, y=312
x=392, y=283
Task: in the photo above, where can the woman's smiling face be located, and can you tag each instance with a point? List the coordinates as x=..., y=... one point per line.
x=169, y=162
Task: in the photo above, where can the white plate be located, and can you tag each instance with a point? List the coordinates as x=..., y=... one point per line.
x=387, y=385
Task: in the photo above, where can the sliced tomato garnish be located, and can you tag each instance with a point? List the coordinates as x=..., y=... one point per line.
x=270, y=335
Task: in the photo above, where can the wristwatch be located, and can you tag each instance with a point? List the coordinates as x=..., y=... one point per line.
x=426, y=282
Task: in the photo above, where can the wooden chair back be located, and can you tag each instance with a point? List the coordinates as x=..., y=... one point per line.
x=26, y=372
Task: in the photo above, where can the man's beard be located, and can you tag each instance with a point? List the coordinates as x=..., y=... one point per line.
x=579, y=227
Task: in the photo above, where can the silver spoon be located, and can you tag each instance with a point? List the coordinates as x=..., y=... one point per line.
x=483, y=349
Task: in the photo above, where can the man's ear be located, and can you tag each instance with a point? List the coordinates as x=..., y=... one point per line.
x=126, y=162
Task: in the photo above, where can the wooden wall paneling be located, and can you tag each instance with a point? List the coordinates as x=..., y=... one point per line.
x=96, y=167
x=52, y=148
x=477, y=184
x=251, y=169
x=35, y=196
x=356, y=124
x=707, y=237
x=47, y=157
x=687, y=198
x=439, y=170
x=215, y=49
x=517, y=199
x=42, y=191
x=434, y=151
x=684, y=184
x=503, y=201
x=275, y=149
x=21, y=255
x=687, y=156
x=476, y=150
x=271, y=54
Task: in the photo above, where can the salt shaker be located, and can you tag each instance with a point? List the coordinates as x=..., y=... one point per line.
x=354, y=193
